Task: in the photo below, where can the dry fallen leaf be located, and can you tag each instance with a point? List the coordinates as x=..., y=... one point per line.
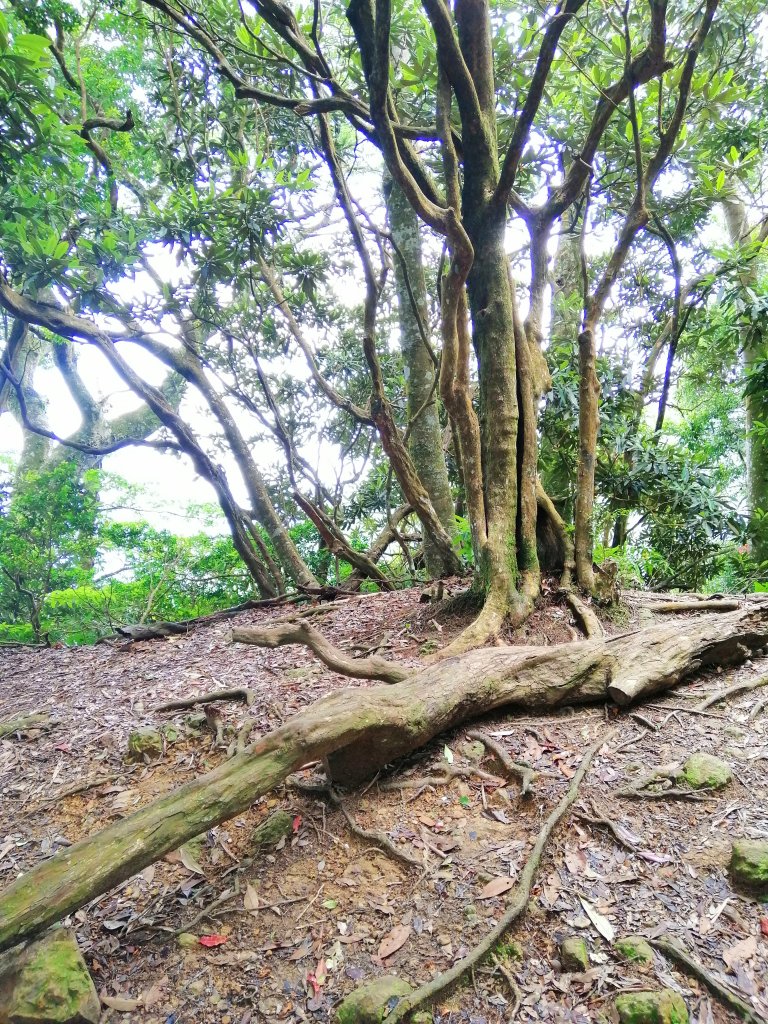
x=154, y=994
x=189, y=862
x=576, y=861
x=740, y=953
x=120, y=1003
x=496, y=887
x=394, y=940
x=602, y=924
x=251, y=900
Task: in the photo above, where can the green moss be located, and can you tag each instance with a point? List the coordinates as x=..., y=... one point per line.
x=53, y=985
x=574, y=954
x=749, y=865
x=664, y=1007
x=145, y=742
x=278, y=825
x=705, y=771
x=372, y=1002
x=509, y=951
x=635, y=948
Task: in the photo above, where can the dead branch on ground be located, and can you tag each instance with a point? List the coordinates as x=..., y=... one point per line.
x=239, y=694
x=733, y=691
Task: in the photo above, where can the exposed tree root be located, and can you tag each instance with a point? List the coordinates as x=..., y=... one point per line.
x=664, y=773
x=240, y=694
x=368, y=836
x=444, y=778
x=358, y=731
x=585, y=617
x=760, y=706
x=519, y=901
x=25, y=723
x=524, y=772
x=683, y=607
x=621, y=835
x=732, y=691
x=517, y=996
x=302, y=633
x=672, y=949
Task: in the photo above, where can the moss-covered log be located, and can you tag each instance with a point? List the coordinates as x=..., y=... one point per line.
x=357, y=731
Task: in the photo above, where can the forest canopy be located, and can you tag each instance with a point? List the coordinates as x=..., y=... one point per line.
x=416, y=291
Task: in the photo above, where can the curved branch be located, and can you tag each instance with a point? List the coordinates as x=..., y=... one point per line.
x=302, y=633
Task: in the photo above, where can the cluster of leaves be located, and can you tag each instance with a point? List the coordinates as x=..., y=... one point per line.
x=68, y=573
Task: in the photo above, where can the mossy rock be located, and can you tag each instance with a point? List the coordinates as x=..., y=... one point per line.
x=574, y=954
x=47, y=982
x=663, y=1007
x=277, y=826
x=705, y=771
x=636, y=949
x=145, y=743
x=749, y=865
x=372, y=1002
x=171, y=732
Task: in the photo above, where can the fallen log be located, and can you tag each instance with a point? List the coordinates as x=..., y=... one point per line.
x=358, y=731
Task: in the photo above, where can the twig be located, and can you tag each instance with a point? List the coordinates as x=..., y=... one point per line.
x=732, y=691
x=239, y=694
x=378, y=838
x=80, y=787
x=448, y=774
x=523, y=771
x=521, y=895
x=26, y=722
x=313, y=900
x=672, y=949
x=761, y=704
x=225, y=897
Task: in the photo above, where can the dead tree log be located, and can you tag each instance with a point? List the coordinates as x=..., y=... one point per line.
x=358, y=731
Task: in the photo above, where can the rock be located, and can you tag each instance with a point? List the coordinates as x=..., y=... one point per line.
x=278, y=825
x=372, y=1002
x=145, y=743
x=473, y=750
x=702, y=771
x=749, y=865
x=635, y=948
x=574, y=955
x=664, y=1007
x=46, y=982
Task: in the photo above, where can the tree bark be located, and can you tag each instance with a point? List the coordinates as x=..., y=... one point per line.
x=420, y=368
x=358, y=731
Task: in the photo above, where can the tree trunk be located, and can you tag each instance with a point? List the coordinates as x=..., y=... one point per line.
x=358, y=731
x=754, y=352
x=424, y=433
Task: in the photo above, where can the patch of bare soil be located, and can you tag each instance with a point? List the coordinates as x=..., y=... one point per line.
x=283, y=933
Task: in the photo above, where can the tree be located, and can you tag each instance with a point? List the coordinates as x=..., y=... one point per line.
x=486, y=150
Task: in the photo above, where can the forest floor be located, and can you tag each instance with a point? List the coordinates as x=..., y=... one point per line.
x=302, y=924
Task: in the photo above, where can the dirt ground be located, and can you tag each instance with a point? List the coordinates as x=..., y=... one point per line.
x=292, y=929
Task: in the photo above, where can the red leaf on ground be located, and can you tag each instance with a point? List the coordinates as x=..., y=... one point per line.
x=764, y=925
x=297, y=823
x=212, y=940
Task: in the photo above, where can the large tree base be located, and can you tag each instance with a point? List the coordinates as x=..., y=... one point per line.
x=358, y=731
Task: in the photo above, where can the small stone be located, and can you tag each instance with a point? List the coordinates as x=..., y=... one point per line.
x=196, y=987
x=636, y=949
x=372, y=1002
x=664, y=1007
x=278, y=825
x=574, y=955
x=145, y=743
x=749, y=865
x=473, y=750
x=187, y=940
x=47, y=982
x=705, y=771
